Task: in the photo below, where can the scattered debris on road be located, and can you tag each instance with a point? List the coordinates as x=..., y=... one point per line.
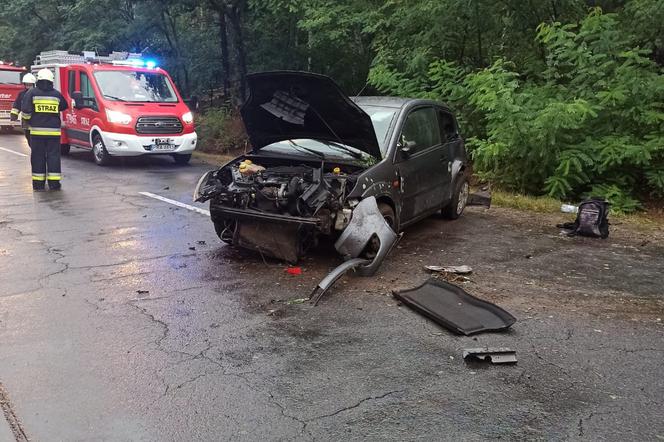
x=295, y=271
x=454, y=309
x=480, y=198
x=494, y=355
x=459, y=270
x=591, y=219
x=333, y=276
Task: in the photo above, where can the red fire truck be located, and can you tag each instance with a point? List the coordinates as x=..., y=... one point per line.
x=10, y=86
x=120, y=105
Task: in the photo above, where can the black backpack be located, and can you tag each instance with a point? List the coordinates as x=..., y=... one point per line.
x=592, y=219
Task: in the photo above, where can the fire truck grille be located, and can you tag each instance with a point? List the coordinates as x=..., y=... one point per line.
x=158, y=125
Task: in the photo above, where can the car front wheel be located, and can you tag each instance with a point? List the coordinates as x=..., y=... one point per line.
x=101, y=155
x=181, y=159
x=459, y=199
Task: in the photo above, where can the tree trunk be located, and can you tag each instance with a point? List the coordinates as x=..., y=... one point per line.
x=225, y=60
x=238, y=86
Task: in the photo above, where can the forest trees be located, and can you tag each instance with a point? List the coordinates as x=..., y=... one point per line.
x=558, y=97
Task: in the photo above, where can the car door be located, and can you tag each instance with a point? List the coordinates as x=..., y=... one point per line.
x=451, y=141
x=90, y=108
x=419, y=164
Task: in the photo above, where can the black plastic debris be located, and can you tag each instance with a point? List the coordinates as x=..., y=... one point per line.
x=494, y=355
x=454, y=309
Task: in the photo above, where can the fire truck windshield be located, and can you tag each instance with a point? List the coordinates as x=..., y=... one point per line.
x=10, y=77
x=135, y=86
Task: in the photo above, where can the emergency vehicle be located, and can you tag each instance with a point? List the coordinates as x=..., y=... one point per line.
x=10, y=87
x=120, y=105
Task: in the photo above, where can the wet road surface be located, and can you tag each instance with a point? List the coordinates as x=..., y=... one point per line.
x=123, y=317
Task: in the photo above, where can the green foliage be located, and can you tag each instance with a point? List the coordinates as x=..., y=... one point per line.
x=591, y=120
x=220, y=131
x=621, y=202
x=553, y=99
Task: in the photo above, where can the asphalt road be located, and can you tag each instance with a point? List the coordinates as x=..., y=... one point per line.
x=122, y=317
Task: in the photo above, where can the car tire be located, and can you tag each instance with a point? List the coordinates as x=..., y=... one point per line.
x=64, y=149
x=182, y=159
x=459, y=199
x=388, y=214
x=99, y=152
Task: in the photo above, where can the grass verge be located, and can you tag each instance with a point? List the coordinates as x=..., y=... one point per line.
x=215, y=159
x=649, y=219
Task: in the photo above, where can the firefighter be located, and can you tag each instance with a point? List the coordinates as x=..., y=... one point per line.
x=41, y=108
x=28, y=81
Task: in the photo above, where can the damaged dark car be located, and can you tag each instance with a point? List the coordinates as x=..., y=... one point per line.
x=317, y=155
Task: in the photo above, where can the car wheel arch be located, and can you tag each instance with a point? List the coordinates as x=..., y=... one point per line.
x=386, y=199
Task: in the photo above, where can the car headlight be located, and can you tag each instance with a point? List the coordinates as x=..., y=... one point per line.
x=117, y=117
x=188, y=118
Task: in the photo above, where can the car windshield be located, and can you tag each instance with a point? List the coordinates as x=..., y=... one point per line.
x=326, y=149
x=10, y=77
x=135, y=86
x=381, y=118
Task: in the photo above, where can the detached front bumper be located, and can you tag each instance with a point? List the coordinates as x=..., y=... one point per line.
x=132, y=145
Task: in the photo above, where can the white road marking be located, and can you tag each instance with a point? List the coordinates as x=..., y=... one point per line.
x=14, y=152
x=176, y=203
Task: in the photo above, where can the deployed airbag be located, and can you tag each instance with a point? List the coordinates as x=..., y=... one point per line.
x=454, y=309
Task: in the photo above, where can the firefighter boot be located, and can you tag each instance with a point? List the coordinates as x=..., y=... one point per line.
x=53, y=163
x=38, y=161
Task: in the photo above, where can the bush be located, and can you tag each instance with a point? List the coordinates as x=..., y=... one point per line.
x=590, y=122
x=220, y=131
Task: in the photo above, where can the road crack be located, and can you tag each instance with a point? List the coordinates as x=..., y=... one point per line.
x=351, y=407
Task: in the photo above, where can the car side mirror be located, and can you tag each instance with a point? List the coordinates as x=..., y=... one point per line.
x=78, y=100
x=407, y=148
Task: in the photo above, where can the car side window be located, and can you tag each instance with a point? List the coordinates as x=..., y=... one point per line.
x=88, y=92
x=448, y=128
x=72, y=82
x=420, y=130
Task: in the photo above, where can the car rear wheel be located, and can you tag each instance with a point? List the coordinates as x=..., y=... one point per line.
x=182, y=159
x=459, y=199
x=101, y=155
x=64, y=149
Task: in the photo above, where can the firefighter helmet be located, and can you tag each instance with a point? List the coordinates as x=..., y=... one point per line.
x=29, y=79
x=45, y=74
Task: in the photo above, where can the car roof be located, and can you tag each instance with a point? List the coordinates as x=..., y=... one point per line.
x=395, y=102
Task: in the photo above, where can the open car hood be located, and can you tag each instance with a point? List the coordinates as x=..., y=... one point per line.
x=288, y=105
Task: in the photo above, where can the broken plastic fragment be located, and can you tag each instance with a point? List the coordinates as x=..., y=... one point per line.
x=294, y=270
x=460, y=270
x=494, y=355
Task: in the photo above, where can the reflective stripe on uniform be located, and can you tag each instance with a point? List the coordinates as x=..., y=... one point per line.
x=38, y=177
x=54, y=176
x=45, y=99
x=26, y=116
x=14, y=111
x=46, y=131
